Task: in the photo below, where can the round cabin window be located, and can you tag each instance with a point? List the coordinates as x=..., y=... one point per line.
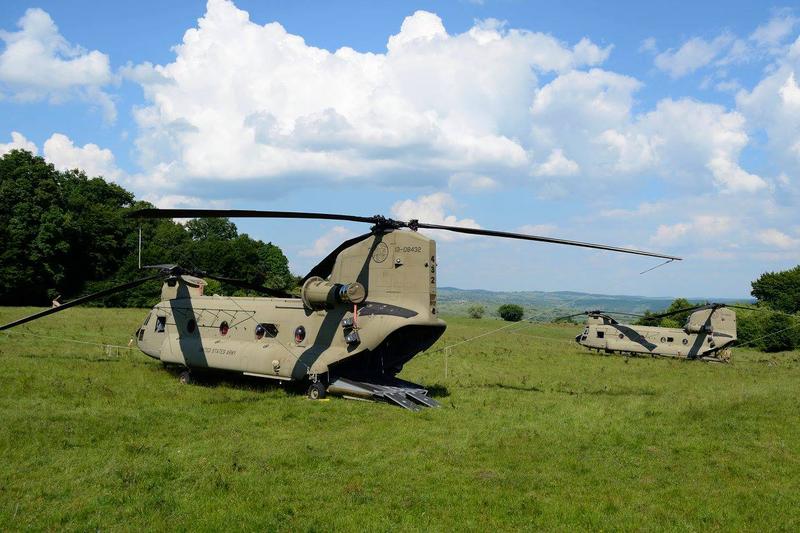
x=621, y=336
x=663, y=339
x=223, y=328
x=299, y=334
x=685, y=342
x=260, y=330
x=191, y=325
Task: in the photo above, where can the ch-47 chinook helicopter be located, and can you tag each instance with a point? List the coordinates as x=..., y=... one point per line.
x=707, y=335
x=363, y=312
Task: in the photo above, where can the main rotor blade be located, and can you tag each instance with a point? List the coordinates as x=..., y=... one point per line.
x=556, y=319
x=379, y=221
x=246, y=285
x=600, y=312
x=525, y=237
x=752, y=308
x=244, y=213
x=679, y=311
x=82, y=299
x=711, y=305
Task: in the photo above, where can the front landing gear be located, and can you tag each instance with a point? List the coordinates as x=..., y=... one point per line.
x=316, y=391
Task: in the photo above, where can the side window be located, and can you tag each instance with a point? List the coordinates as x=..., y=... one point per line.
x=266, y=330
x=601, y=334
x=161, y=324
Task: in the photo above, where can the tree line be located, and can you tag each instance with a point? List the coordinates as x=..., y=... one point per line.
x=63, y=234
x=772, y=324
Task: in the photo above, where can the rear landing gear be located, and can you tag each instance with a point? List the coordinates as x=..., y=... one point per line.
x=185, y=377
x=316, y=391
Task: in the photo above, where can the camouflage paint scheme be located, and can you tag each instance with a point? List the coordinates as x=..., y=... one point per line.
x=392, y=273
x=707, y=335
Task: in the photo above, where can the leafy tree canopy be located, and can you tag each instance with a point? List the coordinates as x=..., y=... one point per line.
x=511, y=312
x=476, y=311
x=779, y=290
x=674, y=321
x=221, y=229
x=64, y=233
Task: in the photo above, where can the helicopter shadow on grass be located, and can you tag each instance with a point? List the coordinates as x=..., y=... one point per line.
x=507, y=386
x=437, y=390
x=212, y=379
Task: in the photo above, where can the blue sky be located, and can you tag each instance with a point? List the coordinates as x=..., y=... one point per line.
x=673, y=128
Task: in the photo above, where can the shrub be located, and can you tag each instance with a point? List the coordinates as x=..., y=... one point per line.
x=750, y=327
x=782, y=333
x=511, y=312
x=476, y=311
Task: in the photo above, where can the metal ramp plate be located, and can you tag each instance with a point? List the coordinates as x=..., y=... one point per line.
x=402, y=393
x=401, y=400
x=422, y=398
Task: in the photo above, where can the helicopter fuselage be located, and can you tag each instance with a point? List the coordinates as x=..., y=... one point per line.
x=706, y=335
x=321, y=335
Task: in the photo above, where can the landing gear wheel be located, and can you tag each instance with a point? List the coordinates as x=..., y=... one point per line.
x=185, y=377
x=316, y=391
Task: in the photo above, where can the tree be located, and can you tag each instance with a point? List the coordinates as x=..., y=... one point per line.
x=66, y=233
x=476, y=311
x=649, y=319
x=203, y=229
x=779, y=290
x=673, y=321
x=511, y=312
x=781, y=333
x=678, y=319
x=58, y=230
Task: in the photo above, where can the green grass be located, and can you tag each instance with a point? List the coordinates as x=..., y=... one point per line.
x=534, y=433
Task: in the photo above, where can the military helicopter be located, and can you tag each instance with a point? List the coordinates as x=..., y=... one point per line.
x=709, y=332
x=364, y=311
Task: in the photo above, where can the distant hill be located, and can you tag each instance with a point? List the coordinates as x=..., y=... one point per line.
x=545, y=306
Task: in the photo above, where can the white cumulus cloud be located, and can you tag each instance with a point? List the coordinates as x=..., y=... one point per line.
x=774, y=105
x=557, y=164
x=776, y=30
x=249, y=101
x=327, y=242
x=244, y=101
x=699, y=229
x=692, y=55
x=433, y=209
x=778, y=239
x=39, y=63
x=18, y=142
x=63, y=154
x=95, y=161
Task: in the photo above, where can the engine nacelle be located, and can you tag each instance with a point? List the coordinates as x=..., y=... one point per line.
x=318, y=293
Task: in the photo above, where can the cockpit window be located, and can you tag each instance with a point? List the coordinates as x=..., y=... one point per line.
x=161, y=324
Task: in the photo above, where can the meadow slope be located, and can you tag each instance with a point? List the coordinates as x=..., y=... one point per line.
x=534, y=433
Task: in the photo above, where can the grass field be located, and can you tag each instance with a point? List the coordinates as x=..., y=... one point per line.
x=534, y=433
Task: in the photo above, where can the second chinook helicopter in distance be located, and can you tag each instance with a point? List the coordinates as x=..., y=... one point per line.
x=364, y=311
x=707, y=335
